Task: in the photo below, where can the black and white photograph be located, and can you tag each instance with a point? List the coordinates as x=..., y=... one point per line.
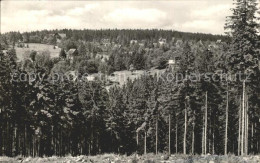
x=130, y=81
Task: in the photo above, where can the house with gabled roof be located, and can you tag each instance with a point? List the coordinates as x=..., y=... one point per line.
x=60, y=36
x=70, y=54
x=162, y=41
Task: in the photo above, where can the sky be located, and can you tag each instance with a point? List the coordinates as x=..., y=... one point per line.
x=203, y=16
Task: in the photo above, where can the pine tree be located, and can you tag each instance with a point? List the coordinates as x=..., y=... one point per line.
x=244, y=51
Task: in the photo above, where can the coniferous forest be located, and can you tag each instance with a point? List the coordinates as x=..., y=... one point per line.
x=214, y=108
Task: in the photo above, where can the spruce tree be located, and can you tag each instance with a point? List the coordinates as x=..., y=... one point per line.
x=245, y=57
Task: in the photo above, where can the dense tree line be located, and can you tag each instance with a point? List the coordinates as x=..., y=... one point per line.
x=204, y=112
x=122, y=36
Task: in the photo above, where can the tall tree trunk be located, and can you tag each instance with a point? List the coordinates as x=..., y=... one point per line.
x=1, y=132
x=247, y=118
x=92, y=137
x=176, y=136
x=14, y=141
x=137, y=142
x=209, y=134
x=156, y=136
x=213, y=143
x=252, y=140
x=193, y=138
x=185, y=130
x=243, y=120
x=247, y=133
x=239, y=127
x=245, y=136
x=169, y=134
x=206, y=123
x=226, y=129
x=24, y=141
x=145, y=142
x=203, y=137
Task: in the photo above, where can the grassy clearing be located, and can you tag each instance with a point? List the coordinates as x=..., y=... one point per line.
x=21, y=52
x=149, y=158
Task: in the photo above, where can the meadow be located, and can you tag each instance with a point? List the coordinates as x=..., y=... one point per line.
x=23, y=52
x=149, y=158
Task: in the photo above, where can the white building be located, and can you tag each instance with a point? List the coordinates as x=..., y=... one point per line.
x=162, y=41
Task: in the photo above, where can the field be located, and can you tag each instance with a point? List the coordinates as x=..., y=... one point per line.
x=21, y=52
x=149, y=158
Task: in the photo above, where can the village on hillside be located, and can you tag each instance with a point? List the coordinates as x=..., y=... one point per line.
x=58, y=47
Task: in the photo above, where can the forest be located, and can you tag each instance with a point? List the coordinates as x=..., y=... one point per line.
x=122, y=36
x=214, y=108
